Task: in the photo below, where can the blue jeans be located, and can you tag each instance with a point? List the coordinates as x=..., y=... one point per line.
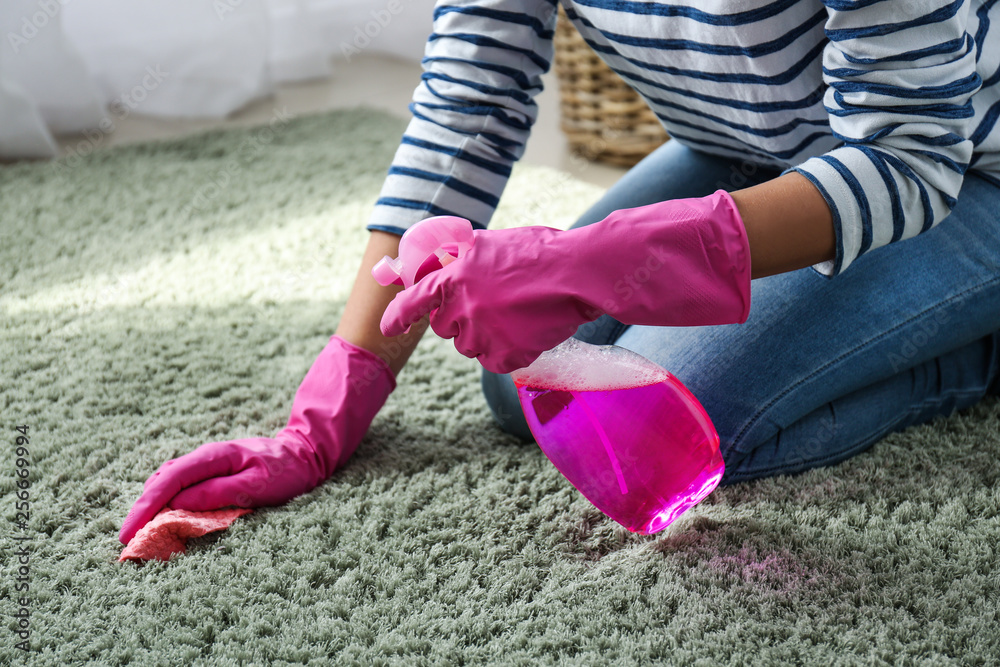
x=823, y=368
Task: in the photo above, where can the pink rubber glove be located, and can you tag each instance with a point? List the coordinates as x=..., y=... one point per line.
x=332, y=410
x=520, y=292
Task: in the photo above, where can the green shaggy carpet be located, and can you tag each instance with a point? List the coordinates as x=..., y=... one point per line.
x=158, y=296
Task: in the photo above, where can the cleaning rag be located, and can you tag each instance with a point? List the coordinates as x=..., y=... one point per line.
x=168, y=532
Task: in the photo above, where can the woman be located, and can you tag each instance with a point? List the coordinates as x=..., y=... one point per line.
x=840, y=153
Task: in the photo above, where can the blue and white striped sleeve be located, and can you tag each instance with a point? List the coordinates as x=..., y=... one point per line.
x=472, y=112
x=901, y=75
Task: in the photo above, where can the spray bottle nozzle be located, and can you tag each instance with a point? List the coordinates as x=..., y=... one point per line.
x=425, y=247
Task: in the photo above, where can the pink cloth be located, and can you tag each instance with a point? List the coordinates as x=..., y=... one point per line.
x=332, y=410
x=169, y=531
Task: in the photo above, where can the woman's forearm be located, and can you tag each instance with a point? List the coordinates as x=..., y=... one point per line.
x=360, y=322
x=789, y=225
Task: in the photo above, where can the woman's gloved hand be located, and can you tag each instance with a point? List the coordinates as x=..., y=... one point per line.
x=332, y=410
x=520, y=292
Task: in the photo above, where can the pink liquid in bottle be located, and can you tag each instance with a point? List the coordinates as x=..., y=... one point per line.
x=622, y=430
x=626, y=433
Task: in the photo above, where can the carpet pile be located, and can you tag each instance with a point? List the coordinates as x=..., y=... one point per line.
x=162, y=295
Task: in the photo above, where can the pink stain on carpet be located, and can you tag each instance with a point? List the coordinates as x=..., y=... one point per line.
x=168, y=532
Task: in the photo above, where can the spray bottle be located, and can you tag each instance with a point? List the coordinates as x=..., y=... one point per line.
x=624, y=431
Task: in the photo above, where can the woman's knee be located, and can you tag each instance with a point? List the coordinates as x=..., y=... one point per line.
x=850, y=424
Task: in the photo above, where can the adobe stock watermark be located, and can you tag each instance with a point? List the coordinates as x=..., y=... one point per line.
x=32, y=25
x=739, y=176
x=543, y=199
x=248, y=149
x=224, y=7
x=582, y=158
x=923, y=334
x=121, y=107
x=117, y=289
x=817, y=446
x=627, y=286
x=310, y=270
x=363, y=35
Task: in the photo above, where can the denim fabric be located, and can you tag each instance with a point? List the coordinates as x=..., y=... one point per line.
x=823, y=368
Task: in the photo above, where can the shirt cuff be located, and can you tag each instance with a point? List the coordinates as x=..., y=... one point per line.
x=843, y=208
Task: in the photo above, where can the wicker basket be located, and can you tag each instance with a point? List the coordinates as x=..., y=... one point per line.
x=602, y=117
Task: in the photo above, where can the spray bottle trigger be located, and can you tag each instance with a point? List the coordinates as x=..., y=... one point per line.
x=450, y=251
x=431, y=264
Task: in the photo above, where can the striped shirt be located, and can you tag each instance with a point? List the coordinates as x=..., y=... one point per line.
x=882, y=104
